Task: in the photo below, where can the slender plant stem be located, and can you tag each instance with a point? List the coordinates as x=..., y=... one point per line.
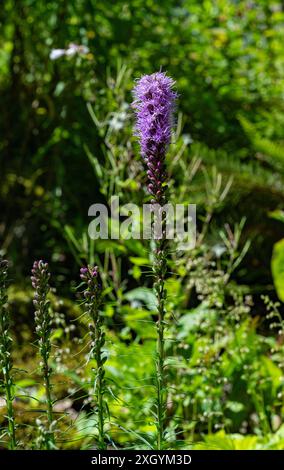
x=159, y=269
x=40, y=281
x=99, y=380
x=49, y=404
x=160, y=381
x=10, y=414
x=8, y=385
x=46, y=371
x=93, y=294
x=5, y=355
x=101, y=413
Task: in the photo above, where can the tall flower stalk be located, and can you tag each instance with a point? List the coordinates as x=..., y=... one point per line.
x=154, y=101
x=6, y=364
x=40, y=282
x=93, y=301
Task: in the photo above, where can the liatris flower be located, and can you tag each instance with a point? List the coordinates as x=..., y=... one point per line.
x=93, y=301
x=40, y=282
x=154, y=101
x=6, y=364
x=154, y=104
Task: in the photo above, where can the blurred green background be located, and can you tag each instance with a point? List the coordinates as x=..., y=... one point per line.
x=227, y=59
x=67, y=142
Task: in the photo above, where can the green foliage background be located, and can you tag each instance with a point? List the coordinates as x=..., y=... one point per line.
x=66, y=142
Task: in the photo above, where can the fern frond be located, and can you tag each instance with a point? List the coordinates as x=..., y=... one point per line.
x=273, y=152
x=248, y=175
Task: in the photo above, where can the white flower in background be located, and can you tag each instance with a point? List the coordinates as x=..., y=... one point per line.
x=118, y=119
x=75, y=49
x=56, y=53
x=71, y=50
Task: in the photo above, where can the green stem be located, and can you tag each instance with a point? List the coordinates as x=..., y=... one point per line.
x=93, y=296
x=10, y=410
x=49, y=405
x=98, y=337
x=6, y=363
x=159, y=268
x=101, y=445
x=160, y=381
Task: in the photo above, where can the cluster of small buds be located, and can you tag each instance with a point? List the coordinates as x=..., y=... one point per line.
x=154, y=101
x=93, y=299
x=93, y=290
x=40, y=282
x=160, y=264
x=3, y=279
x=40, y=273
x=5, y=342
x=3, y=266
x=88, y=273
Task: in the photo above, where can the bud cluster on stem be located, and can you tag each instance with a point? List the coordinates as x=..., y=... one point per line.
x=40, y=282
x=92, y=303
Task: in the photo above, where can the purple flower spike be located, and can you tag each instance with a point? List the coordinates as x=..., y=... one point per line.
x=154, y=101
